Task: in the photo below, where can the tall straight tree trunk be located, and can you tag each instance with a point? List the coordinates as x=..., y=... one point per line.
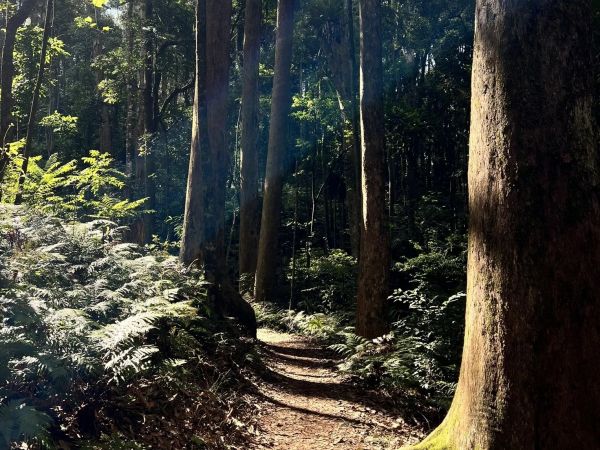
x=149, y=121
x=374, y=261
x=7, y=74
x=529, y=375
x=203, y=241
x=193, y=231
x=35, y=99
x=249, y=213
x=131, y=138
x=264, y=289
x=341, y=55
x=144, y=160
x=355, y=158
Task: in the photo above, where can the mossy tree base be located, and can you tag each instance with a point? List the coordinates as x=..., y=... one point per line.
x=442, y=438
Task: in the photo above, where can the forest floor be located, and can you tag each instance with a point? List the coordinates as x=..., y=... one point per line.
x=304, y=403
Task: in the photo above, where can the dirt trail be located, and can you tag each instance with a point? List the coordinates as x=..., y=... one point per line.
x=308, y=405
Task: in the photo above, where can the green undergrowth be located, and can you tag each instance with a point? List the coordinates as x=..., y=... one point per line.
x=418, y=360
x=324, y=327
x=107, y=345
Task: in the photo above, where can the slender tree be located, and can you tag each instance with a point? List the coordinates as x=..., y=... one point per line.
x=144, y=161
x=374, y=258
x=131, y=87
x=35, y=99
x=264, y=288
x=339, y=48
x=249, y=207
x=7, y=74
x=203, y=240
x=529, y=375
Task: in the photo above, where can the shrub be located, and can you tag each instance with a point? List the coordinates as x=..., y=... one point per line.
x=87, y=320
x=327, y=284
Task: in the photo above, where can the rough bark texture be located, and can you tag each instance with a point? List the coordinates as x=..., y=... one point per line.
x=264, y=288
x=35, y=99
x=249, y=212
x=7, y=76
x=529, y=376
x=203, y=239
x=374, y=261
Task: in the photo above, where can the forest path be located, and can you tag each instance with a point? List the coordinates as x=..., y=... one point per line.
x=305, y=404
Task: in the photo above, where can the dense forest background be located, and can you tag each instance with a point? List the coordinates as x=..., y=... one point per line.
x=96, y=118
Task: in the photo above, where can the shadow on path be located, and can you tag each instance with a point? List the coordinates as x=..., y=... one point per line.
x=306, y=403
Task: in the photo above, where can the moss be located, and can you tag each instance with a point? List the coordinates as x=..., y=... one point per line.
x=442, y=438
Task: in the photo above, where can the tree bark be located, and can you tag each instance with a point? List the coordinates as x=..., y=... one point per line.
x=203, y=240
x=374, y=258
x=529, y=375
x=264, y=289
x=31, y=123
x=145, y=187
x=7, y=74
x=249, y=213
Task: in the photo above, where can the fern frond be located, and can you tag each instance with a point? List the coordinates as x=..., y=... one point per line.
x=18, y=422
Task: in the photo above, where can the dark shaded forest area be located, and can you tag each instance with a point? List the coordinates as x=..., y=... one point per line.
x=318, y=224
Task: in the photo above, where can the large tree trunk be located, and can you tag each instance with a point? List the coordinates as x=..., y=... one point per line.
x=31, y=123
x=529, y=375
x=249, y=219
x=203, y=239
x=7, y=74
x=264, y=289
x=374, y=258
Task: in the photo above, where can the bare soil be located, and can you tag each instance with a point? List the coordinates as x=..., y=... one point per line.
x=306, y=404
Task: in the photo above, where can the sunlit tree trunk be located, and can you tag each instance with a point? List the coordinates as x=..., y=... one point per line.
x=203, y=241
x=529, y=375
x=374, y=258
x=7, y=74
x=35, y=99
x=249, y=212
x=268, y=251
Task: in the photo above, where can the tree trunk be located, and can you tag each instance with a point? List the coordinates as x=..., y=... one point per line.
x=529, y=375
x=203, y=240
x=249, y=219
x=31, y=124
x=142, y=229
x=7, y=74
x=341, y=56
x=149, y=121
x=374, y=240
x=268, y=261
x=131, y=137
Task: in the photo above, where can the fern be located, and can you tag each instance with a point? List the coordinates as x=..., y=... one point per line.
x=123, y=333
x=86, y=312
x=133, y=360
x=18, y=422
